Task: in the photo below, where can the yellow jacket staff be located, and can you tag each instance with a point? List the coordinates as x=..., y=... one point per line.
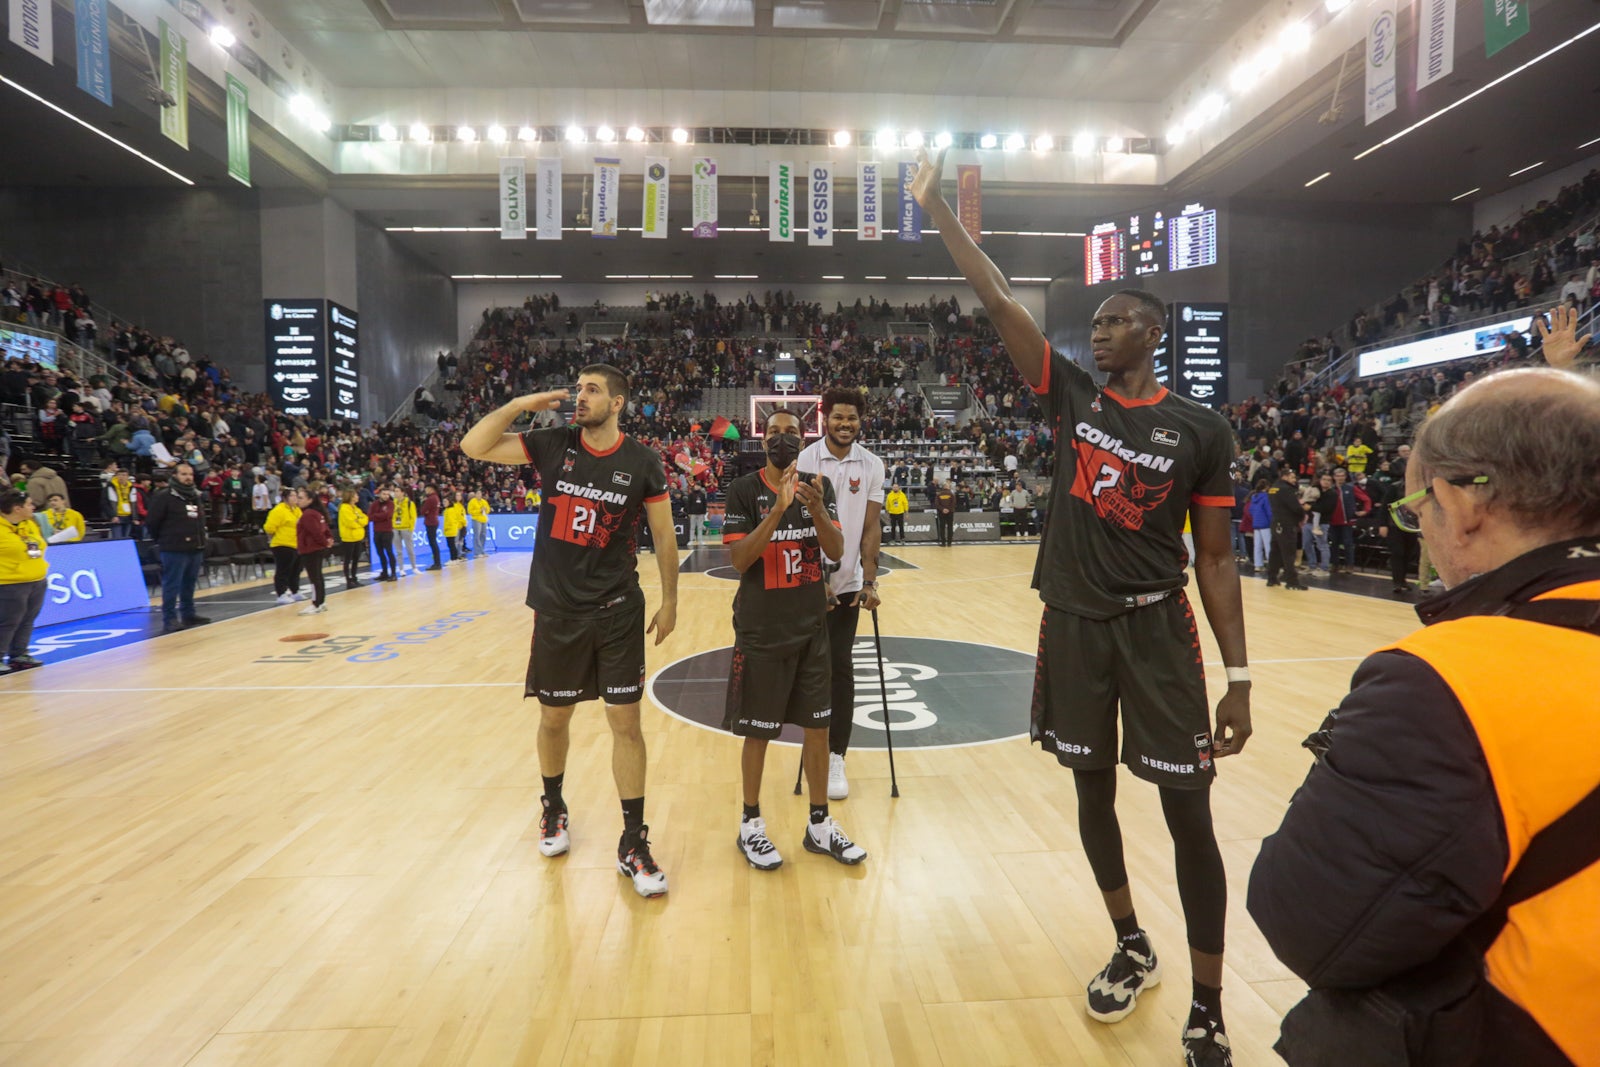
x=405, y=513
x=478, y=509
x=21, y=552
x=352, y=523
x=896, y=503
x=454, y=519
x=280, y=525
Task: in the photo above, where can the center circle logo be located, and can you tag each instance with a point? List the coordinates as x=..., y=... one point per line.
x=940, y=694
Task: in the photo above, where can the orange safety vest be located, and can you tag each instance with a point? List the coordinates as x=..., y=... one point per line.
x=1532, y=694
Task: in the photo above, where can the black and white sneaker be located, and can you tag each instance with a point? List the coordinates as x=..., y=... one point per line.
x=1114, y=991
x=826, y=838
x=553, y=836
x=1206, y=1046
x=635, y=861
x=757, y=847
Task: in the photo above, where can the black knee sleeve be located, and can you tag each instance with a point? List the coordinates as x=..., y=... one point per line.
x=1098, y=829
x=1202, y=882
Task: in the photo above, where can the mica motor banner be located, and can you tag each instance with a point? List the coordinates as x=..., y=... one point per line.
x=910, y=224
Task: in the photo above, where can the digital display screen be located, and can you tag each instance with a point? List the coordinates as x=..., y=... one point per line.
x=1105, y=255
x=1198, y=338
x=297, y=357
x=1156, y=241
x=344, y=362
x=1192, y=238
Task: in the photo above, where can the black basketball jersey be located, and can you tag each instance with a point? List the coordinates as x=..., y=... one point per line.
x=1126, y=474
x=584, y=552
x=782, y=598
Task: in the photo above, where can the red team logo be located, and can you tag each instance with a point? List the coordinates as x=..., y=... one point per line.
x=1111, y=485
x=590, y=523
x=855, y=485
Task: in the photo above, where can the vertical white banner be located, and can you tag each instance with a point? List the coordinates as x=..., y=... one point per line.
x=548, y=191
x=1382, y=37
x=655, y=196
x=819, y=203
x=33, y=28
x=513, y=198
x=1436, y=41
x=780, y=206
x=869, y=202
x=705, y=197
x=607, y=177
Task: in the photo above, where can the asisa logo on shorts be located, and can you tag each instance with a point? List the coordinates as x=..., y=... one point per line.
x=940, y=694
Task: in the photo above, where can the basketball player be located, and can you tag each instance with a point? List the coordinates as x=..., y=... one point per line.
x=779, y=525
x=857, y=477
x=1117, y=627
x=588, y=629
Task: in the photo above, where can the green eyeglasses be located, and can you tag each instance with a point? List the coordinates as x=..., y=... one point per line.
x=1405, y=517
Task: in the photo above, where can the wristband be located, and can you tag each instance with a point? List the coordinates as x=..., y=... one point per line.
x=873, y=585
x=1237, y=674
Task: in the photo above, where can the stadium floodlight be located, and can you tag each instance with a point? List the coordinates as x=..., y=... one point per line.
x=420, y=133
x=635, y=134
x=528, y=135
x=1210, y=106
x=680, y=136
x=1296, y=37
x=1176, y=134
x=223, y=37
x=466, y=134
x=988, y=140
x=1083, y=144
x=320, y=122
x=943, y=139
x=841, y=138
x=605, y=134
x=301, y=106
x=1115, y=144
x=884, y=138
x=1043, y=143
x=387, y=132
x=913, y=139
x=496, y=134
x=1015, y=142
x=1335, y=6
x=575, y=135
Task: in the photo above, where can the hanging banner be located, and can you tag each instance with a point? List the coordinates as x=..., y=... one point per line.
x=780, y=208
x=513, y=198
x=238, y=130
x=705, y=197
x=819, y=221
x=655, y=197
x=869, y=201
x=94, y=50
x=969, y=200
x=175, y=83
x=607, y=176
x=910, y=210
x=33, y=28
x=549, y=202
x=1436, y=41
x=1504, y=21
x=1382, y=37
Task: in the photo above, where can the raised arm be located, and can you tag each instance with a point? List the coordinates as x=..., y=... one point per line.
x=489, y=439
x=1561, y=342
x=1024, y=341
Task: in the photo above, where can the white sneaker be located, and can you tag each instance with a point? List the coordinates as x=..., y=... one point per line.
x=315, y=609
x=553, y=836
x=838, y=784
x=827, y=838
x=286, y=598
x=300, y=596
x=757, y=847
x=635, y=861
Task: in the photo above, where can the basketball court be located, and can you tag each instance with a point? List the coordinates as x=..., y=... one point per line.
x=278, y=840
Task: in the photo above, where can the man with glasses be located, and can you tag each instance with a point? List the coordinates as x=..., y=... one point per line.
x=1465, y=747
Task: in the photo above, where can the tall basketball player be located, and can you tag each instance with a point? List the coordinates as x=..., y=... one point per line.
x=1117, y=628
x=588, y=627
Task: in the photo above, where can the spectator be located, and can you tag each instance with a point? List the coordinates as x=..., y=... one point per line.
x=176, y=521
x=281, y=525
x=1349, y=505
x=352, y=536
x=381, y=513
x=478, y=517
x=405, y=528
x=430, y=521
x=455, y=521
x=1260, y=511
x=313, y=538
x=22, y=578
x=43, y=483
x=59, y=523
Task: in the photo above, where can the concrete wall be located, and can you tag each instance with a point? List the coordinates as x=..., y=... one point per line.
x=181, y=262
x=408, y=314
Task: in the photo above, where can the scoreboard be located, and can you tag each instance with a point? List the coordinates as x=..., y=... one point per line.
x=1151, y=242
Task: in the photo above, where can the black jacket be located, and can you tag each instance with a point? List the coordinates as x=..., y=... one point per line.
x=177, y=520
x=1285, y=501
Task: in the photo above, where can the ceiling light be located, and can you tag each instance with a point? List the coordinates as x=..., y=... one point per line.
x=320, y=122
x=884, y=139
x=1246, y=74
x=1015, y=142
x=833, y=277
x=576, y=135
x=1083, y=144
x=387, y=132
x=1043, y=143
x=944, y=140
x=1115, y=144
x=1296, y=36
x=1526, y=169
x=223, y=37
x=420, y=133
x=605, y=134
x=97, y=131
x=1335, y=6
x=496, y=134
x=1318, y=178
x=913, y=139
x=1586, y=144
x=1466, y=194
x=527, y=135
x=988, y=140
x=680, y=136
x=1210, y=106
x=466, y=134
x=1175, y=135
x=841, y=138
x=300, y=106
x=634, y=134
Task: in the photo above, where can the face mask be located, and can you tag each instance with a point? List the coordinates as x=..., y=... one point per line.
x=783, y=449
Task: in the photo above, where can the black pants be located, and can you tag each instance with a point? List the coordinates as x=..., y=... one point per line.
x=842, y=623
x=454, y=541
x=286, y=572
x=433, y=545
x=947, y=529
x=312, y=562
x=1285, y=543
x=350, y=556
x=1402, y=547
x=20, y=604
x=384, y=542
x=897, y=529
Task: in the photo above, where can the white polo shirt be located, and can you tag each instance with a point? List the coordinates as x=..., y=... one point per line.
x=857, y=479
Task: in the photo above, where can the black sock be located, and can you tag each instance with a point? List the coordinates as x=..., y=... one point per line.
x=1206, y=1008
x=819, y=813
x=552, y=789
x=1127, y=927
x=752, y=811
x=632, y=815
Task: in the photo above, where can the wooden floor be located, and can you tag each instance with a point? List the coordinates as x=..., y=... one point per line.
x=207, y=860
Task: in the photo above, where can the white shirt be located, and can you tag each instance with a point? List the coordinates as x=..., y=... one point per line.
x=857, y=479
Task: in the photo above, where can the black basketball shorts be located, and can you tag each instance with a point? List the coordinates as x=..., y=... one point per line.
x=1148, y=661
x=767, y=689
x=600, y=656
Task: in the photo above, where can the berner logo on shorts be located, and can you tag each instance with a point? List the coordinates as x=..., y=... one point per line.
x=940, y=693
